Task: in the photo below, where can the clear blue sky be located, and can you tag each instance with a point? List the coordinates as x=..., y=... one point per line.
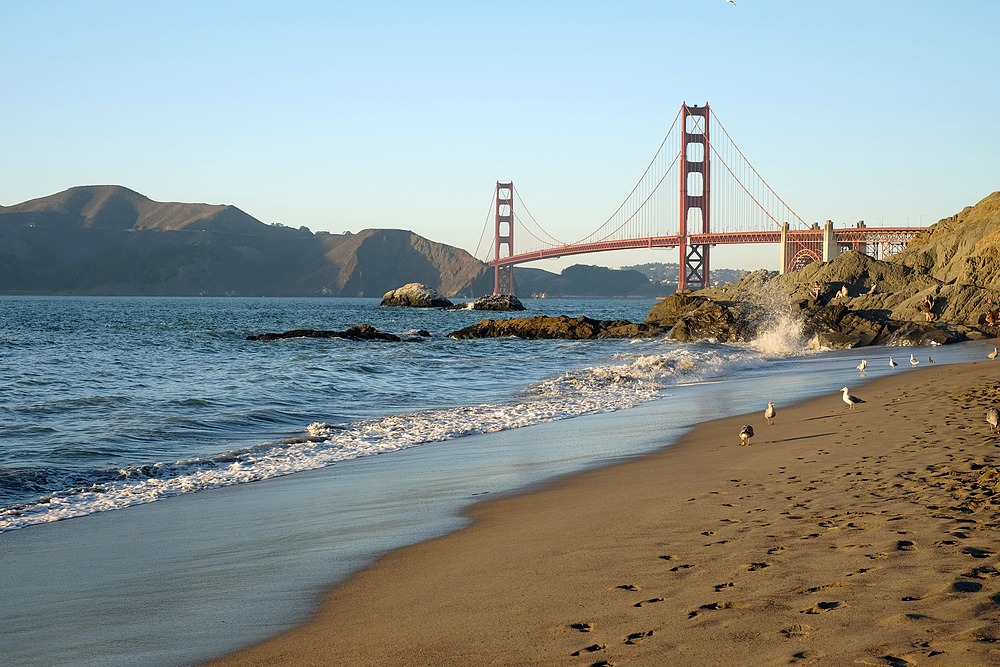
x=342, y=116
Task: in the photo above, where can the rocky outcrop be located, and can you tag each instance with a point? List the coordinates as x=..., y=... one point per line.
x=414, y=295
x=953, y=267
x=506, y=302
x=360, y=332
x=562, y=327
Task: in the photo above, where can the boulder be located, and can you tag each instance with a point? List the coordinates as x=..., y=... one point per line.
x=562, y=327
x=414, y=295
x=498, y=302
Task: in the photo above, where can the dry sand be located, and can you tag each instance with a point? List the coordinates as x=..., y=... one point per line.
x=835, y=538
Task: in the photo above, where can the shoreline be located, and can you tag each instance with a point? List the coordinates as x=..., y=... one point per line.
x=866, y=536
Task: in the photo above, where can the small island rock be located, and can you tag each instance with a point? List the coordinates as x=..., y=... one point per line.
x=414, y=295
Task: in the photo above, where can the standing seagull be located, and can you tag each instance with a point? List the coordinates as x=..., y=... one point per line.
x=993, y=418
x=913, y=362
x=993, y=354
x=851, y=400
x=770, y=413
x=892, y=364
x=863, y=365
x=929, y=360
x=746, y=434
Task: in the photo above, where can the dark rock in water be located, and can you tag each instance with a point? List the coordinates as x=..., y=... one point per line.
x=360, y=332
x=490, y=302
x=562, y=327
x=498, y=302
x=424, y=333
x=693, y=317
x=414, y=295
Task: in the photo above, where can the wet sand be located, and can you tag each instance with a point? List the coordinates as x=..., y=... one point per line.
x=837, y=537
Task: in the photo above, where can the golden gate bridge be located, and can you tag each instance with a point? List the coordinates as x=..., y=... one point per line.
x=721, y=200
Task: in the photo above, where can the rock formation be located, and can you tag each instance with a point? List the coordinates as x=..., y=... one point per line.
x=360, y=332
x=414, y=295
x=506, y=302
x=562, y=327
x=952, y=266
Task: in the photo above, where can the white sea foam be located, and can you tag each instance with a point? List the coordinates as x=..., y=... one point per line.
x=633, y=379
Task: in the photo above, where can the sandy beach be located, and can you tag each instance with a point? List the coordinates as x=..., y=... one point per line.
x=837, y=537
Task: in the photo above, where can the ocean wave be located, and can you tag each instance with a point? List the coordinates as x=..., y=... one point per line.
x=631, y=379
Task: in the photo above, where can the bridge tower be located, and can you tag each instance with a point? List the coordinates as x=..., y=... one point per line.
x=503, y=276
x=695, y=149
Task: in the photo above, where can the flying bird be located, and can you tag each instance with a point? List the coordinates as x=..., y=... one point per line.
x=993, y=354
x=746, y=434
x=770, y=413
x=913, y=362
x=892, y=364
x=993, y=418
x=851, y=400
x=731, y=2
x=863, y=365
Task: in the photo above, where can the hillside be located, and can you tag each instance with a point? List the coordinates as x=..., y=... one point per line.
x=111, y=240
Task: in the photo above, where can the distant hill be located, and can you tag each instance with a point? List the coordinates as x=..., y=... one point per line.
x=110, y=240
x=668, y=273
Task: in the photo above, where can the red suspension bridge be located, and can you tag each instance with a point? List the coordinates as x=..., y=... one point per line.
x=721, y=200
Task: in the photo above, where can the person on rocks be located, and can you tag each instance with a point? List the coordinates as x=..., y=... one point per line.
x=815, y=291
x=872, y=290
x=928, y=309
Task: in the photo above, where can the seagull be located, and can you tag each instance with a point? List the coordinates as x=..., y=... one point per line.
x=930, y=361
x=770, y=413
x=863, y=365
x=993, y=418
x=746, y=434
x=913, y=362
x=731, y=2
x=850, y=400
x=892, y=364
x=993, y=354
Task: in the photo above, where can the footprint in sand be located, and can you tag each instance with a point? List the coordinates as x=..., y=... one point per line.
x=583, y=627
x=604, y=663
x=905, y=545
x=986, y=572
x=978, y=553
x=590, y=649
x=630, y=587
x=637, y=637
x=680, y=567
x=713, y=606
x=669, y=557
x=822, y=607
x=966, y=587
x=728, y=584
x=798, y=630
x=649, y=601
x=775, y=550
x=753, y=567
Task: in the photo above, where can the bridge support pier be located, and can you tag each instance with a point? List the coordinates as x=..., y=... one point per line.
x=503, y=276
x=694, y=196
x=784, y=250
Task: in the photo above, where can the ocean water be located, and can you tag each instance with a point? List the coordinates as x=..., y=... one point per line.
x=162, y=408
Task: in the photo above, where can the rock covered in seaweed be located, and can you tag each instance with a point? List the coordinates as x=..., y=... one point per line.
x=414, y=295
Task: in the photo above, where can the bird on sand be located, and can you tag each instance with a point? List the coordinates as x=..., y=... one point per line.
x=892, y=364
x=930, y=361
x=770, y=413
x=993, y=354
x=993, y=418
x=850, y=400
x=863, y=365
x=746, y=434
x=913, y=362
